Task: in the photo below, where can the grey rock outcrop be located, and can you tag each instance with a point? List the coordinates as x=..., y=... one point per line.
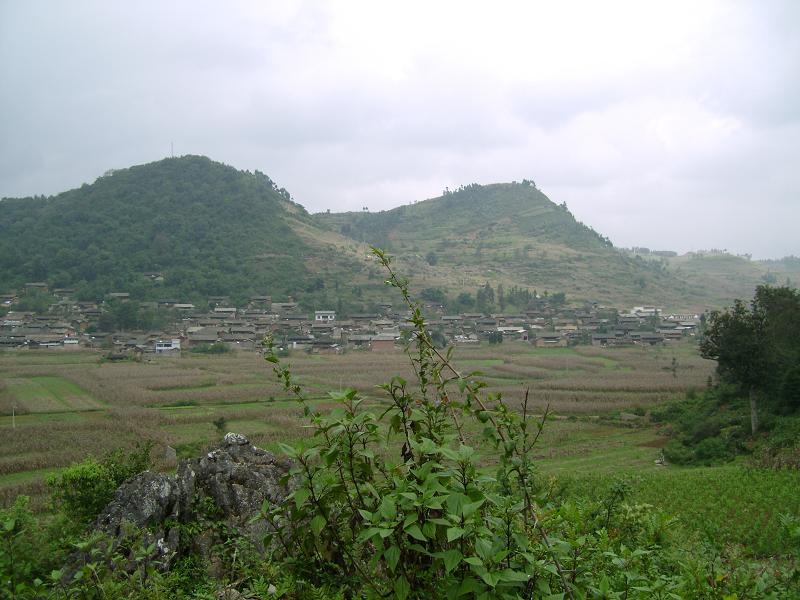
x=226, y=487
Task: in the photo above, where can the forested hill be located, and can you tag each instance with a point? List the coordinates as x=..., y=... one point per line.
x=203, y=227
x=513, y=234
x=188, y=228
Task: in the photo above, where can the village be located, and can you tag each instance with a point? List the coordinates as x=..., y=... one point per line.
x=70, y=324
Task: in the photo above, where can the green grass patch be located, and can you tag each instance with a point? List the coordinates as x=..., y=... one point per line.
x=194, y=386
x=590, y=447
x=49, y=394
x=720, y=506
x=34, y=419
x=608, y=363
x=48, y=358
x=728, y=504
x=25, y=476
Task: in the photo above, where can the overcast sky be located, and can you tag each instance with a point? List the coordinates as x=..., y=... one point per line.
x=674, y=125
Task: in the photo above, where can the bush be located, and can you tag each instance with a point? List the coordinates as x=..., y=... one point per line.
x=23, y=549
x=495, y=337
x=426, y=520
x=678, y=454
x=711, y=449
x=83, y=490
x=707, y=427
x=215, y=348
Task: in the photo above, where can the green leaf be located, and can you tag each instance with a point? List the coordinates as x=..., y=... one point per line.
x=392, y=556
x=415, y=532
x=395, y=424
x=330, y=456
x=429, y=529
x=483, y=547
x=451, y=558
x=368, y=534
x=300, y=496
x=449, y=453
x=401, y=588
x=470, y=585
x=522, y=541
x=317, y=523
x=512, y=576
x=366, y=514
x=456, y=502
x=288, y=450
x=453, y=533
x=469, y=509
x=388, y=509
x=482, y=572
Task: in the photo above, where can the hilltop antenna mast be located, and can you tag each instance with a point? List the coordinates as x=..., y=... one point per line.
x=171, y=150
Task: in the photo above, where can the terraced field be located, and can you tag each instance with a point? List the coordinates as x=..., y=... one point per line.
x=69, y=405
x=73, y=404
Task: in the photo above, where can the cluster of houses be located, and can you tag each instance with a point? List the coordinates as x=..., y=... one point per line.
x=69, y=324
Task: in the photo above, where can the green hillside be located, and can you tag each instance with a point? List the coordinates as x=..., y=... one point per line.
x=513, y=235
x=189, y=228
x=203, y=227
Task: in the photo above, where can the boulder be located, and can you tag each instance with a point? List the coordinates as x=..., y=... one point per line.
x=218, y=494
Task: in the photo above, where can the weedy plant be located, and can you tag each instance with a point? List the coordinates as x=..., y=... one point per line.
x=403, y=506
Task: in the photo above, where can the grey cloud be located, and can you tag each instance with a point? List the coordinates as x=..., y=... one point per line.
x=344, y=118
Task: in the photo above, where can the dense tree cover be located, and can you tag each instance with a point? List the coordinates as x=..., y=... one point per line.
x=758, y=347
x=207, y=228
x=127, y=316
x=34, y=301
x=488, y=299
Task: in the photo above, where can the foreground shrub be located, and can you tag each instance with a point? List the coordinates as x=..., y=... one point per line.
x=412, y=511
x=82, y=490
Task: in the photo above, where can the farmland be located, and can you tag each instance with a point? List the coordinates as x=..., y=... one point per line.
x=72, y=404
x=69, y=405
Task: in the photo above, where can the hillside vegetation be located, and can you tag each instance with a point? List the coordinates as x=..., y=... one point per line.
x=203, y=227
x=513, y=235
x=189, y=228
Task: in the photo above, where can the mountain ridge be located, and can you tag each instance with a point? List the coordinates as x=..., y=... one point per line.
x=210, y=229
